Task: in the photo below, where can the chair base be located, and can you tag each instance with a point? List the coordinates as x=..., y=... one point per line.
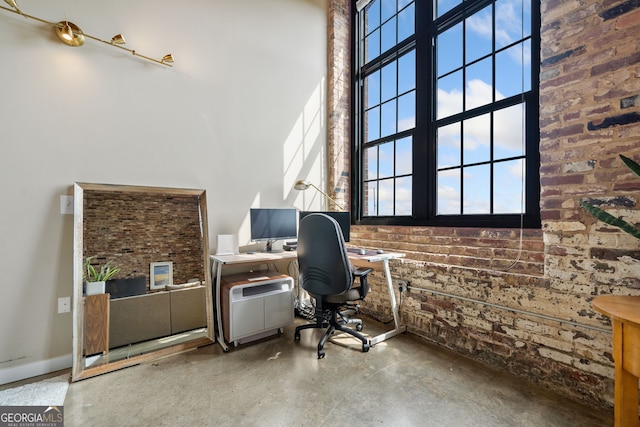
x=336, y=322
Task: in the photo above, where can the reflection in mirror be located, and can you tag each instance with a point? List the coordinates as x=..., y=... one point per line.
x=159, y=300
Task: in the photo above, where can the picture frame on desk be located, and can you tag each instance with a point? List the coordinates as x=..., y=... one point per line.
x=161, y=274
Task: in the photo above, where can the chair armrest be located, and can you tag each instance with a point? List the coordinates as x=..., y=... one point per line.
x=362, y=272
x=362, y=275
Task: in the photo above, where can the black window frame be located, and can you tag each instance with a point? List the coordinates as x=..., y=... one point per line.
x=424, y=192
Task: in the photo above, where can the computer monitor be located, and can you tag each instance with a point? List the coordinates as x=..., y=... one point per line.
x=273, y=224
x=343, y=219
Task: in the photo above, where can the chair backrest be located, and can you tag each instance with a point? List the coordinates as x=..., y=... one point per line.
x=325, y=268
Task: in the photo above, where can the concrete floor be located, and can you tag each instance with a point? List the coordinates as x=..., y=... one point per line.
x=277, y=381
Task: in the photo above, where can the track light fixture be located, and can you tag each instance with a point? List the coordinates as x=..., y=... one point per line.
x=70, y=34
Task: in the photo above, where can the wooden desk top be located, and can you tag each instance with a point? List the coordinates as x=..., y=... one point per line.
x=269, y=257
x=620, y=307
x=254, y=258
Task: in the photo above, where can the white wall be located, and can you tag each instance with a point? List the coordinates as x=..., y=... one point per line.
x=240, y=115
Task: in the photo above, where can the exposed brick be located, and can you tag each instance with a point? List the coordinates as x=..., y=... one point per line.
x=622, y=119
x=615, y=65
x=558, y=58
x=620, y=9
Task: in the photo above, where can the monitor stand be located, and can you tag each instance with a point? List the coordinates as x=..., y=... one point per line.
x=268, y=248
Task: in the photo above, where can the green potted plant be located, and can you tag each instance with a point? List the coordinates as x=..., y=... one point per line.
x=607, y=217
x=95, y=278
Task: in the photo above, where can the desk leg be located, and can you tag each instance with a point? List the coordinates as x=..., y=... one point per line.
x=217, y=270
x=394, y=307
x=625, y=405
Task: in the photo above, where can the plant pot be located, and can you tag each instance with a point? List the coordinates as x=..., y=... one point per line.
x=94, y=288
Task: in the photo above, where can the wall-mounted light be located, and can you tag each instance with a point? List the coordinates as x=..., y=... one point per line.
x=70, y=34
x=303, y=184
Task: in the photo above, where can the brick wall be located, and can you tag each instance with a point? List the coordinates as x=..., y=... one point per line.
x=529, y=312
x=134, y=229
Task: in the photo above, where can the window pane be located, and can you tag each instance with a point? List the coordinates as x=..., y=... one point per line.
x=443, y=6
x=372, y=16
x=372, y=120
x=407, y=111
x=478, y=87
x=479, y=35
x=406, y=22
x=450, y=95
x=508, y=187
x=449, y=45
x=477, y=190
x=385, y=197
x=510, y=65
x=404, y=161
x=389, y=81
x=403, y=3
x=403, y=196
x=449, y=192
x=385, y=151
x=371, y=201
x=514, y=25
x=388, y=9
x=508, y=136
x=388, y=35
x=477, y=139
x=372, y=90
x=449, y=146
x=371, y=163
x=407, y=72
x=388, y=118
x=372, y=46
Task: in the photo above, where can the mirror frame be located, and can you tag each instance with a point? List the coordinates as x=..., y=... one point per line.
x=78, y=371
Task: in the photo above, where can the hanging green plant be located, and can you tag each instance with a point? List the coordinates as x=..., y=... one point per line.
x=91, y=274
x=607, y=217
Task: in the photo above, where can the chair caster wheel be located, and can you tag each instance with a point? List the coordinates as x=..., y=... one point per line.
x=359, y=327
x=321, y=354
x=365, y=348
x=296, y=336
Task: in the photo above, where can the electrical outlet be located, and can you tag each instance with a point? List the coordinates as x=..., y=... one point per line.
x=66, y=205
x=403, y=285
x=64, y=305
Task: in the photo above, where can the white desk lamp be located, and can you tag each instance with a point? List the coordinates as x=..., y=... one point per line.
x=303, y=184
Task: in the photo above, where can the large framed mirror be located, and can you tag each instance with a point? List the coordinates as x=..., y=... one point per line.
x=159, y=302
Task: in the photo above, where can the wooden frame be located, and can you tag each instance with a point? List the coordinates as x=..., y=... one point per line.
x=197, y=202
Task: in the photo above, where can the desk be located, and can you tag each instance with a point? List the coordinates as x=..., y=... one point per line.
x=365, y=261
x=624, y=312
x=266, y=258
x=218, y=261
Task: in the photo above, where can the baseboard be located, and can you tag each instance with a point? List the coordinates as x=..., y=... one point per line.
x=28, y=370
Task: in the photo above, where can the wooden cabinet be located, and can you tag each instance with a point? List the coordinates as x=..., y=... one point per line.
x=96, y=321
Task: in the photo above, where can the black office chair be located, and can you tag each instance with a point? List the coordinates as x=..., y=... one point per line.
x=328, y=276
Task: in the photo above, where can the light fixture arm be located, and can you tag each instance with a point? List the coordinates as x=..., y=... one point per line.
x=166, y=60
x=302, y=184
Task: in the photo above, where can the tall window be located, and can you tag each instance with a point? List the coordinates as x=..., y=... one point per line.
x=446, y=112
